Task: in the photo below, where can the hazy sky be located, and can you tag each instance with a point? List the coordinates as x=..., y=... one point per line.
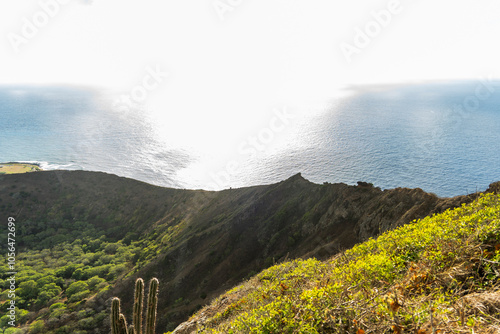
x=227, y=52
x=243, y=42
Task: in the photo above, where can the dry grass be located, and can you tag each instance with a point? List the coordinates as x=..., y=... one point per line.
x=18, y=168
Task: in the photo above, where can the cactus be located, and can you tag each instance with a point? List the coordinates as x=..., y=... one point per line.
x=117, y=318
x=138, y=300
x=151, y=310
x=118, y=321
x=122, y=324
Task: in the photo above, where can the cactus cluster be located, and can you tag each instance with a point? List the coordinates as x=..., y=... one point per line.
x=118, y=321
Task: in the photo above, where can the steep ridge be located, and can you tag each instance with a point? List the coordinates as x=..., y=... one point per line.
x=437, y=274
x=201, y=243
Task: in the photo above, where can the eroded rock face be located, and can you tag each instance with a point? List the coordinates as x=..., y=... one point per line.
x=494, y=188
x=186, y=328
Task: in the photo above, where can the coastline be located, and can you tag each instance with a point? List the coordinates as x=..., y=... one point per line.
x=19, y=167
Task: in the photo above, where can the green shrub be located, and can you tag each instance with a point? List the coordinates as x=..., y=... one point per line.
x=76, y=287
x=94, y=282
x=37, y=326
x=28, y=290
x=56, y=306
x=79, y=296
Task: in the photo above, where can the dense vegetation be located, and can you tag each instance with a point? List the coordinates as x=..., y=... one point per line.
x=54, y=289
x=438, y=274
x=76, y=237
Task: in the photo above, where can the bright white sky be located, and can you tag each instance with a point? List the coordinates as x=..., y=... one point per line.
x=277, y=46
x=264, y=54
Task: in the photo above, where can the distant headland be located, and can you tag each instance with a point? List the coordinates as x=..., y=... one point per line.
x=19, y=168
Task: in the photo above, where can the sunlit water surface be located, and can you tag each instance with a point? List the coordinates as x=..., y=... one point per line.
x=441, y=137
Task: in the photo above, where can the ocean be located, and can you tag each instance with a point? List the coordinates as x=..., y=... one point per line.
x=442, y=137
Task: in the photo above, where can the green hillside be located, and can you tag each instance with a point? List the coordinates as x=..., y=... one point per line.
x=84, y=237
x=439, y=274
